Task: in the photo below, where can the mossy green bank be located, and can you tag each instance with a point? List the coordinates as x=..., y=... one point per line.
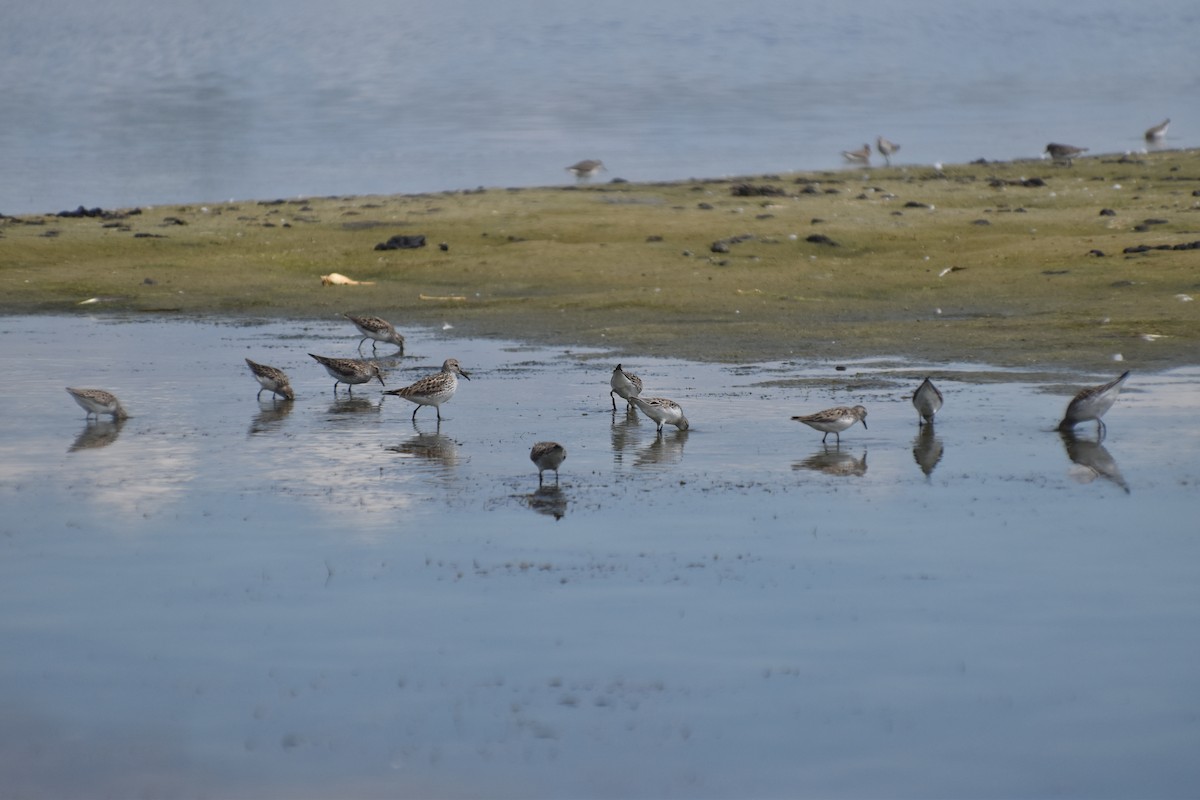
x=1014, y=263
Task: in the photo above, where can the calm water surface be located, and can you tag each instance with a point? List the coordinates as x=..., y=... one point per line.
x=223, y=597
x=134, y=102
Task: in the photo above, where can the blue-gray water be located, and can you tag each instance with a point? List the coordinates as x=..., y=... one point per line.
x=136, y=102
x=222, y=597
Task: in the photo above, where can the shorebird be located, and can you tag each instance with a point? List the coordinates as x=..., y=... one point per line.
x=1063, y=152
x=547, y=455
x=860, y=156
x=926, y=400
x=661, y=410
x=98, y=401
x=433, y=390
x=886, y=149
x=1158, y=132
x=586, y=168
x=350, y=371
x=380, y=330
x=834, y=420
x=1092, y=403
x=625, y=384
x=272, y=380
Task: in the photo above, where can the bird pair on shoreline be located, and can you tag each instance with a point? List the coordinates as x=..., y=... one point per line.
x=862, y=155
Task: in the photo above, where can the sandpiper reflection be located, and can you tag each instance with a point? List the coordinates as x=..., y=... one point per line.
x=624, y=431
x=832, y=461
x=927, y=449
x=549, y=499
x=1093, y=459
x=270, y=416
x=665, y=448
x=97, y=433
x=348, y=404
x=431, y=447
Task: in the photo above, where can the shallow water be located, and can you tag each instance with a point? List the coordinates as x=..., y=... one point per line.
x=226, y=597
x=135, y=102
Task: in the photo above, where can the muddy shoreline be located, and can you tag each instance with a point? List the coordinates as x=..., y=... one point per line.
x=1016, y=263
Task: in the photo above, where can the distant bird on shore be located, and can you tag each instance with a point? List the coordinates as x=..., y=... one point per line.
x=886, y=149
x=1092, y=403
x=380, y=330
x=861, y=156
x=586, y=168
x=548, y=455
x=834, y=420
x=927, y=400
x=98, y=401
x=1158, y=132
x=271, y=380
x=1063, y=152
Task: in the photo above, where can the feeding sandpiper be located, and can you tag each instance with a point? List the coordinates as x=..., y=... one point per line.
x=377, y=329
x=886, y=149
x=586, y=168
x=661, y=410
x=926, y=400
x=859, y=156
x=349, y=371
x=98, y=401
x=272, y=380
x=1092, y=403
x=433, y=390
x=625, y=384
x=1158, y=132
x=835, y=420
x=547, y=455
x=1063, y=152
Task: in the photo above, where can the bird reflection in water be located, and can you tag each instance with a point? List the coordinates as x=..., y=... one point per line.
x=834, y=462
x=348, y=404
x=1093, y=460
x=97, y=433
x=624, y=431
x=666, y=448
x=549, y=499
x=434, y=448
x=927, y=449
x=270, y=416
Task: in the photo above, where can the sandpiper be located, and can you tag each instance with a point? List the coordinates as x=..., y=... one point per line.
x=859, y=156
x=1092, y=403
x=886, y=149
x=350, y=371
x=586, y=168
x=377, y=329
x=835, y=420
x=433, y=390
x=926, y=400
x=625, y=384
x=1063, y=152
x=548, y=455
x=98, y=401
x=272, y=380
x=1158, y=132
x=661, y=410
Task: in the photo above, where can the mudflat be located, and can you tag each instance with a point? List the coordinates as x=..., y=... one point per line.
x=1009, y=263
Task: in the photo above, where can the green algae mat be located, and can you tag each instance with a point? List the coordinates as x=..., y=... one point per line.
x=1009, y=263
